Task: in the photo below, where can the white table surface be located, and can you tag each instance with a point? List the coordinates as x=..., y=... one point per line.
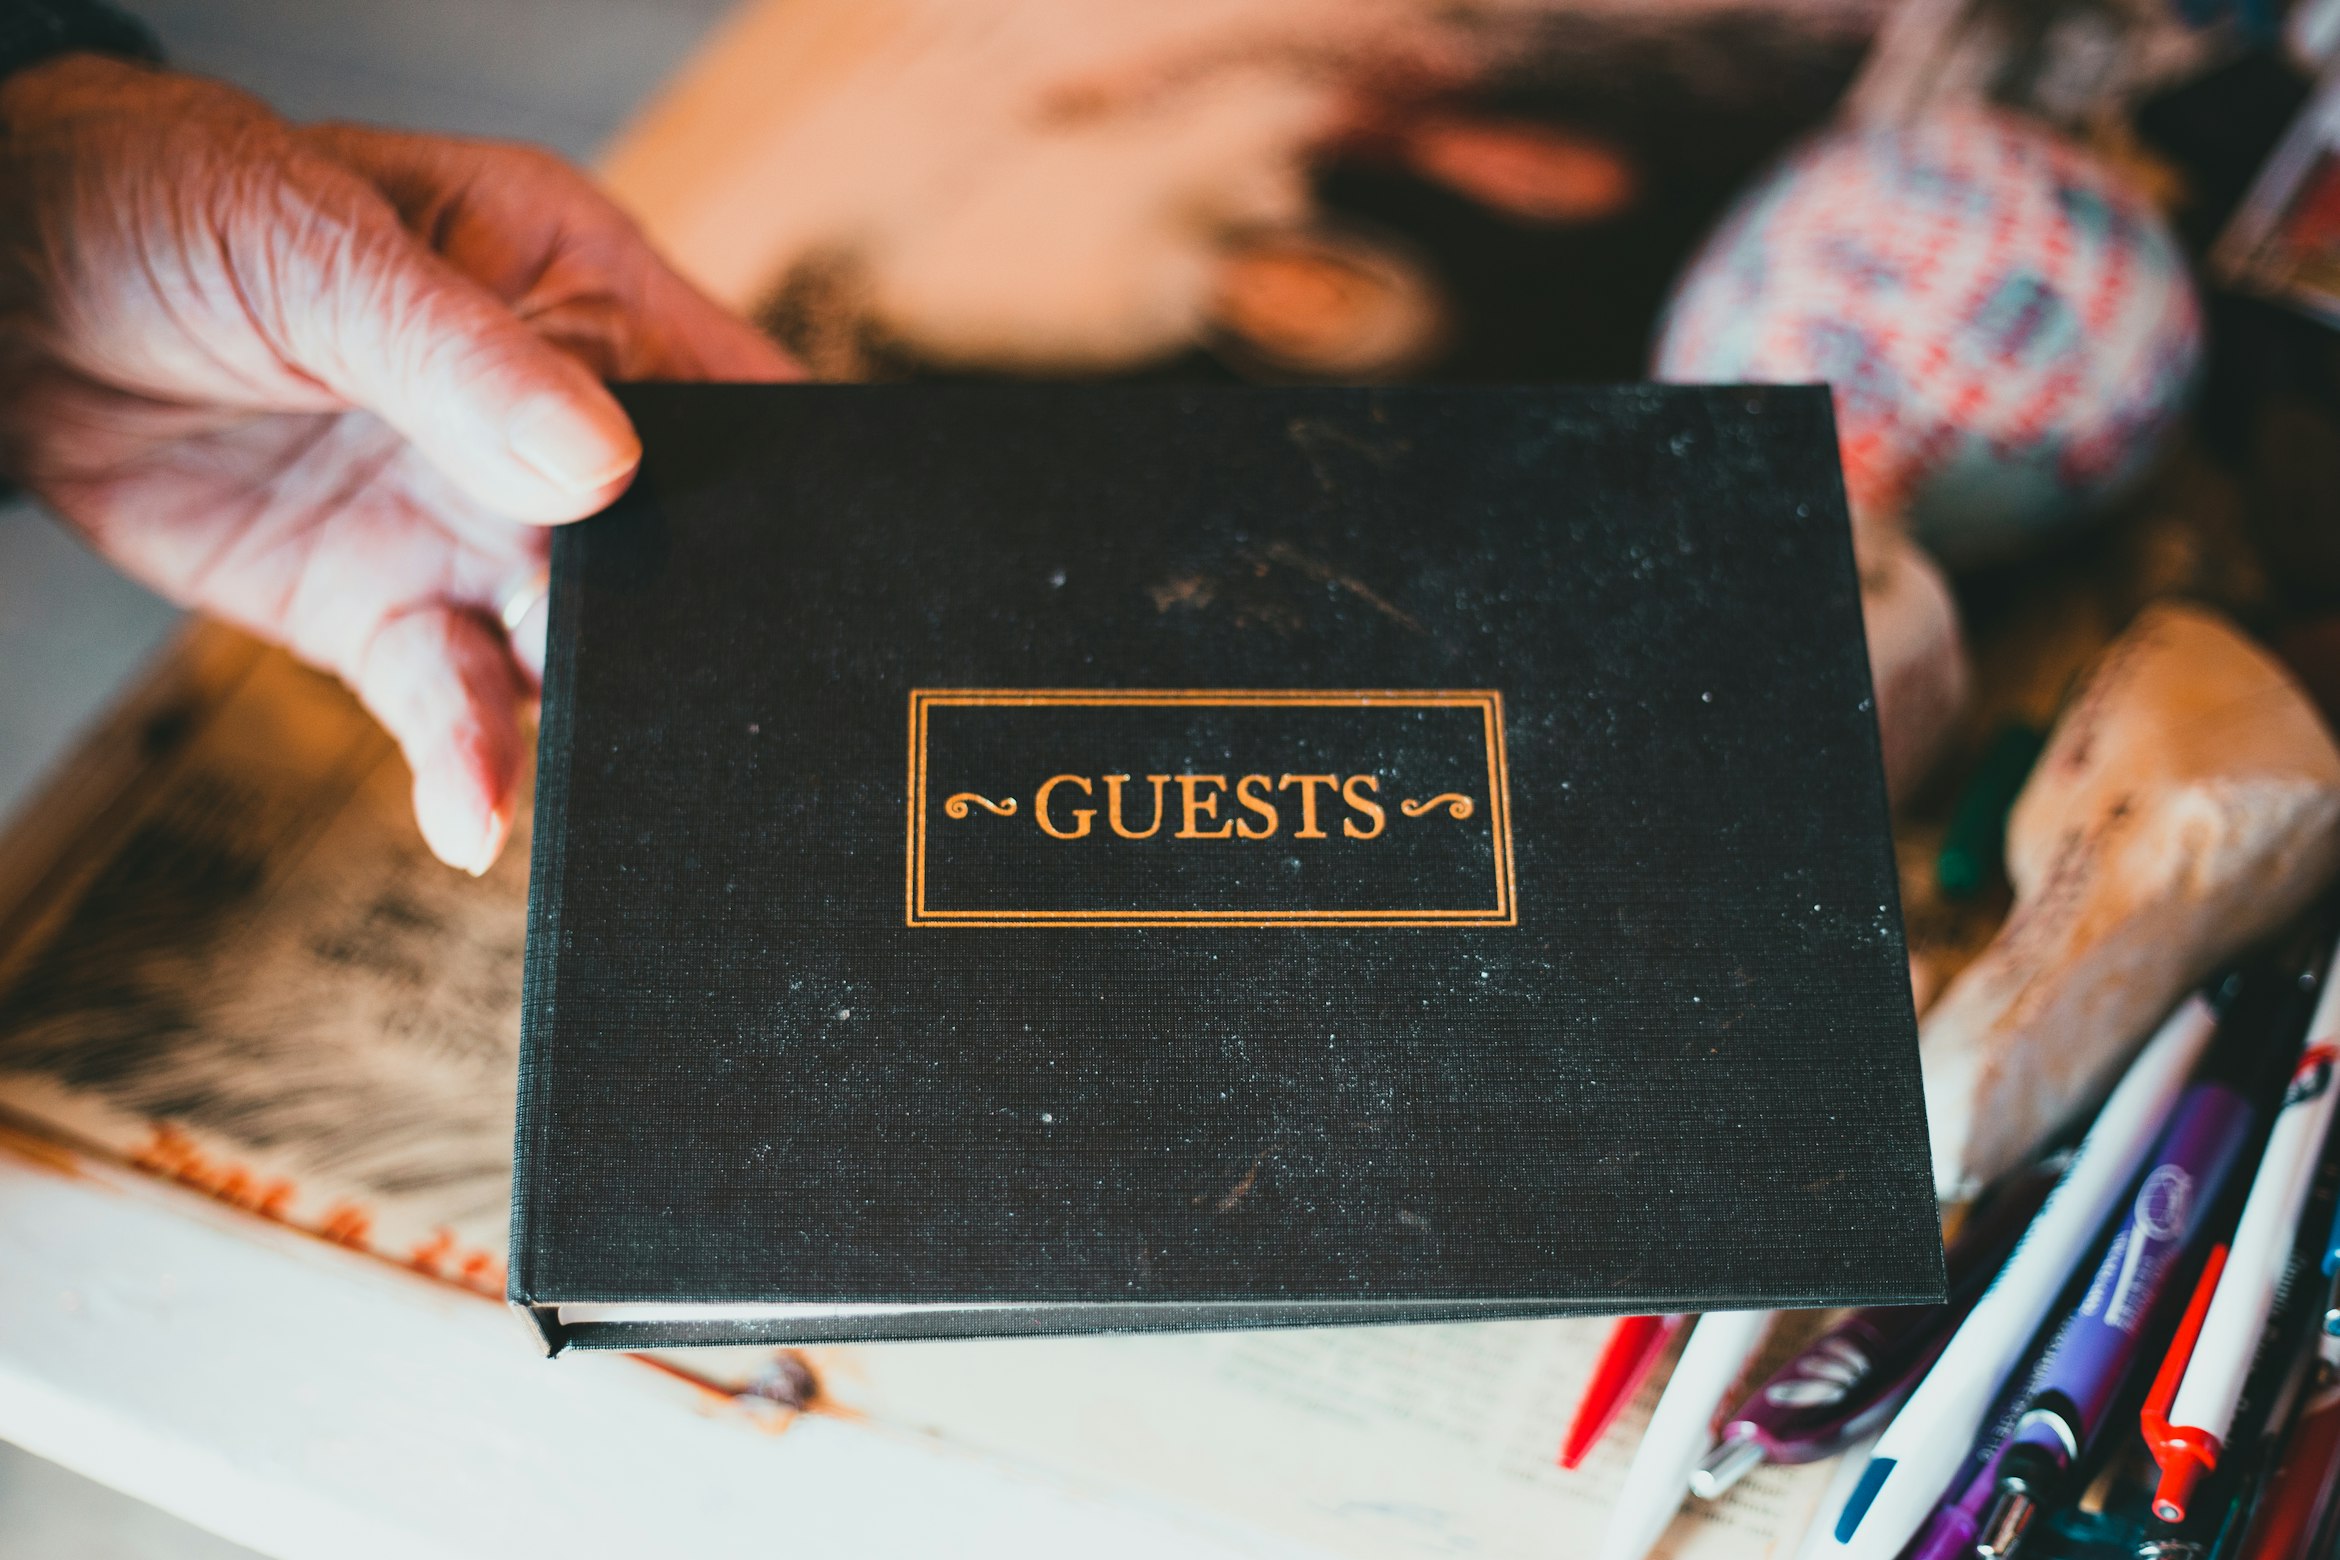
x=314, y=1404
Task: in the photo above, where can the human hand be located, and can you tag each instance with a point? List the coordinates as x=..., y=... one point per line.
x=331, y=384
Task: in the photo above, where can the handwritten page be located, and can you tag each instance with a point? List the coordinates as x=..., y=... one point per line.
x=1372, y=1441
x=251, y=976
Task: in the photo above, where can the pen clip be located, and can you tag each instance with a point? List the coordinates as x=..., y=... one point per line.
x=2173, y=1448
x=2153, y=1418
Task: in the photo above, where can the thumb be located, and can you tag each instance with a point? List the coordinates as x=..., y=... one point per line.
x=362, y=306
x=440, y=680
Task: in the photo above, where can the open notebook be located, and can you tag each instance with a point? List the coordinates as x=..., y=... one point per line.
x=225, y=956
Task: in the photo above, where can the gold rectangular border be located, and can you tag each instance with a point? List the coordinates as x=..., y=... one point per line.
x=1504, y=912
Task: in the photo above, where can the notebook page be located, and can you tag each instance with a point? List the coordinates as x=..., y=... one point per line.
x=252, y=977
x=1372, y=1441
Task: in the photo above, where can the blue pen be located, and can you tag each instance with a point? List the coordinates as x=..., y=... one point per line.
x=2332, y=1248
x=2329, y=1345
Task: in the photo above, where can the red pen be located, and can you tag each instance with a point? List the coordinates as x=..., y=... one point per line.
x=2183, y=1453
x=2298, y=1502
x=1626, y=1361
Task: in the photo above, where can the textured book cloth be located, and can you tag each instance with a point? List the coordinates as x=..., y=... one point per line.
x=1021, y=859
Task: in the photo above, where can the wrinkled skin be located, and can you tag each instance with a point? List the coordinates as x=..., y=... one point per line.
x=331, y=384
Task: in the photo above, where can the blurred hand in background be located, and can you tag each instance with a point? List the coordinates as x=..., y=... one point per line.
x=332, y=384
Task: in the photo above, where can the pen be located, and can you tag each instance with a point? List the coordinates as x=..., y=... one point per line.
x=1842, y=1385
x=2330, y=1344
x=1950, y=1533
x=1923, y=1446
x=2332, y=1247
x=2282, y=1378
x=1632, y=1352
x=1721, y=1343
x=2219, y=1516
x=1840, y=1482
x=2203, y=1409
x=2299, y=1503
x=2095, y=1350
x=1956, y=1525
x=2153, y=1417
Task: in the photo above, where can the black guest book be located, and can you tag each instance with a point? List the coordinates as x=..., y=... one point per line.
x=1031, y=859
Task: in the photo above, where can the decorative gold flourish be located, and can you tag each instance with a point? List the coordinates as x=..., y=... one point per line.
x=1456, y=804
x=956, y=806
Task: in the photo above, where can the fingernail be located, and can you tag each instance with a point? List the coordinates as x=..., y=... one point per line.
x=578, y=448
x=454, y=826
x=528, y=638
x=499, y=832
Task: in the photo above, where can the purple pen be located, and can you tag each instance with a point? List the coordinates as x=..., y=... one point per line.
x=2071, y=1394
x=1949, y=1534
x=1847, y=1381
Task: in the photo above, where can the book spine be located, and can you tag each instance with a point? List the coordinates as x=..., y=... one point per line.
x=547, y=865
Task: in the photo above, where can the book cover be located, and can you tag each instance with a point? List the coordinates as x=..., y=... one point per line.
x=1018, y=859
